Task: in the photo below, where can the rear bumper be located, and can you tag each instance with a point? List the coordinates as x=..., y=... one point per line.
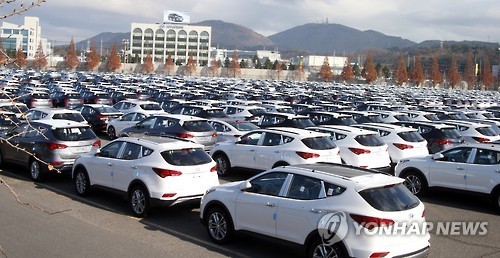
x=185, y=200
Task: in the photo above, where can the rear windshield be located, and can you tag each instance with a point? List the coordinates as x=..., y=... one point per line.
x=74, y=134
x=216, y=113
x=197, y=126
x=402, y=117
x=302, y=122
x=411, y=136
x=256, y=111
x=390, y=198
x=244, y=126
x=375, y=119
x=432, y=117
x=69, y=116
x=186, y=157
x=73, y=95
x=451, y=133
x=104, y=110
x=285, y=110
x=319, y=143
x=151, y=106
x=347, y=121
x=488, y=131
x=369, y=140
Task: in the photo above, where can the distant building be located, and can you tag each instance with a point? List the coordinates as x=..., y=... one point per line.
x=179, y=40
x=27, y=36
x=315, y=62
x=222, y=54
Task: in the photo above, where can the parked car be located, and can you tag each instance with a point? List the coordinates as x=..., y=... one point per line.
x=329, y=118
x=54, y=113
x=358, y=147
x=36, y=99
x=115, y=126
x=200, y=111
x=438, y=136
x=15, y=107
x=132, y=105
x=44, y=146
x=473, y=132
x=283, y=120
x=228, y=130
x=264, y=149
x=66, y=99
x=96, y=97
x=98, y=115
x=471, y=167
x=402, y=142
x=289, y=203
x=150, y=171
x=186, y=127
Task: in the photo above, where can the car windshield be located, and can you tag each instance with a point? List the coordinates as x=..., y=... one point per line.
x=347, y=121
x=197, y=126
x=375, y=119
x=402, y=117
x=104, y=110
x=411, y=136
x=256, y=111
x=432, y=117
x=74, y=134
x=242, y=126
x=186, y=157
x=69, y=116
x=488, y=131
x=216, y=113
x=151, y=106
x=390, y=198
x=319, y=143
x=451, y=133
x=369, y=140
x=302, y=122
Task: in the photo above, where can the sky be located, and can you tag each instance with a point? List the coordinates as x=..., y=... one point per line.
x=414, y=20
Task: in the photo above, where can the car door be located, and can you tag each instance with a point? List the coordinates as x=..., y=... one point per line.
x=305, y=203
x=268, y=151
x=145, y=125
x=243, y=152
x=223, y=132
x=14, y=151
x=484, y=174
x=102, y=166
x=450, y=171
x=255, y=208
x=127, y=166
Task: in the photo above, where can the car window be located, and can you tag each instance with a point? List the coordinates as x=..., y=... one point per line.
x=271, y=139
x=332, y=189
x=390, y=198
x=74, y=134
x=111, y=150
x=487, y=157
x=459, y=155
x=139, y=117
x=268, y=184
x=305, y=188
x=77, y=117
x=34, y=131
x=164, y=123
x=128, y=117
x=197, y=126
x=319, y=143
x=186, y=157
x=132, y=151
x=148, y=122
x=251, y=138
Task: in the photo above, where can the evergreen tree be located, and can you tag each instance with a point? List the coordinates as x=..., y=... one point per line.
x=235, y=69
x=371, y=73
x=401, y=75
x=20, y=59
x=93, y=58
x=169, y=65
x=190, y=66
x=267, y=64
x=487, y=75
x=214, y=68
x=347, y=72
x=71, y=58
x=113, y=63
x=453, y=75
x=40, y=61
x=469, y=73
x=325, y=71
x=418, y=76
x=435, y=75
x=148, y=66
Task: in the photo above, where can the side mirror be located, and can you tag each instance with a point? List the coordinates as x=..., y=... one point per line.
x=437, y=156
x=245, y=185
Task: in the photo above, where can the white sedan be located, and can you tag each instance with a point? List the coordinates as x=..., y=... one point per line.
x=150, y=170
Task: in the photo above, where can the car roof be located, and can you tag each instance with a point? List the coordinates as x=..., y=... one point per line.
x=182, y=117
x=165, y=142
x=294, y=131
x=344, y=128
x=59, y=123
x=387, y=127
x=55, y=110
x=288, y=115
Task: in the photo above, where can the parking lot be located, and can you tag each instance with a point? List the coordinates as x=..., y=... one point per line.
x=44, y=225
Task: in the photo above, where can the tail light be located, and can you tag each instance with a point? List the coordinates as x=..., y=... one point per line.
x=55, y=146
x=358, y=151
x=56, y=163
x=214, y=135
x=185, y=135
x=403, y=146
x=371, y=222
x=481, y=139
x=66, y=100
x=379, y=255
x=213, y=169
x=237, y=135
x=97, y=143
x=168, y=195
x=423, y=213
x=307, y=155
x=444, y=142
x=96, y=100
x=33, y=100
x=166, y=172
x=104, y=118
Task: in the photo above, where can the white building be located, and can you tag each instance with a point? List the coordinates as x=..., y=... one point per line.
x=27, y=36
x=315, y=62
x=263, y=55
x=179, y=40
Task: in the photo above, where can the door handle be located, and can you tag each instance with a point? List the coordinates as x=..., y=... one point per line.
x=251, y=150
x=110, y=165
x=460, y=168
x=276, y=151
x=313, y=210
x=270, y=204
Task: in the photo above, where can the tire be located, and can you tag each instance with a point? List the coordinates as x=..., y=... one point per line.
x=37, y=170
x=219, y=225
x=223, y=164
x=82, y=182
x=1, y=160
x=139, y=201
x=496, y=201
x=416, y=183
x=111, y=133
x=319, y=249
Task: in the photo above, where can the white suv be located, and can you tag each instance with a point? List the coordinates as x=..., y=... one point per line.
x=150, y=171
x=289, y=203
x=268, y=148
x=358, y=147
x=474, y=132
x=470, y=167
x=403, y=142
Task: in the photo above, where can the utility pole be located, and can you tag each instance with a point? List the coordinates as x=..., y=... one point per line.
x=101, y=48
